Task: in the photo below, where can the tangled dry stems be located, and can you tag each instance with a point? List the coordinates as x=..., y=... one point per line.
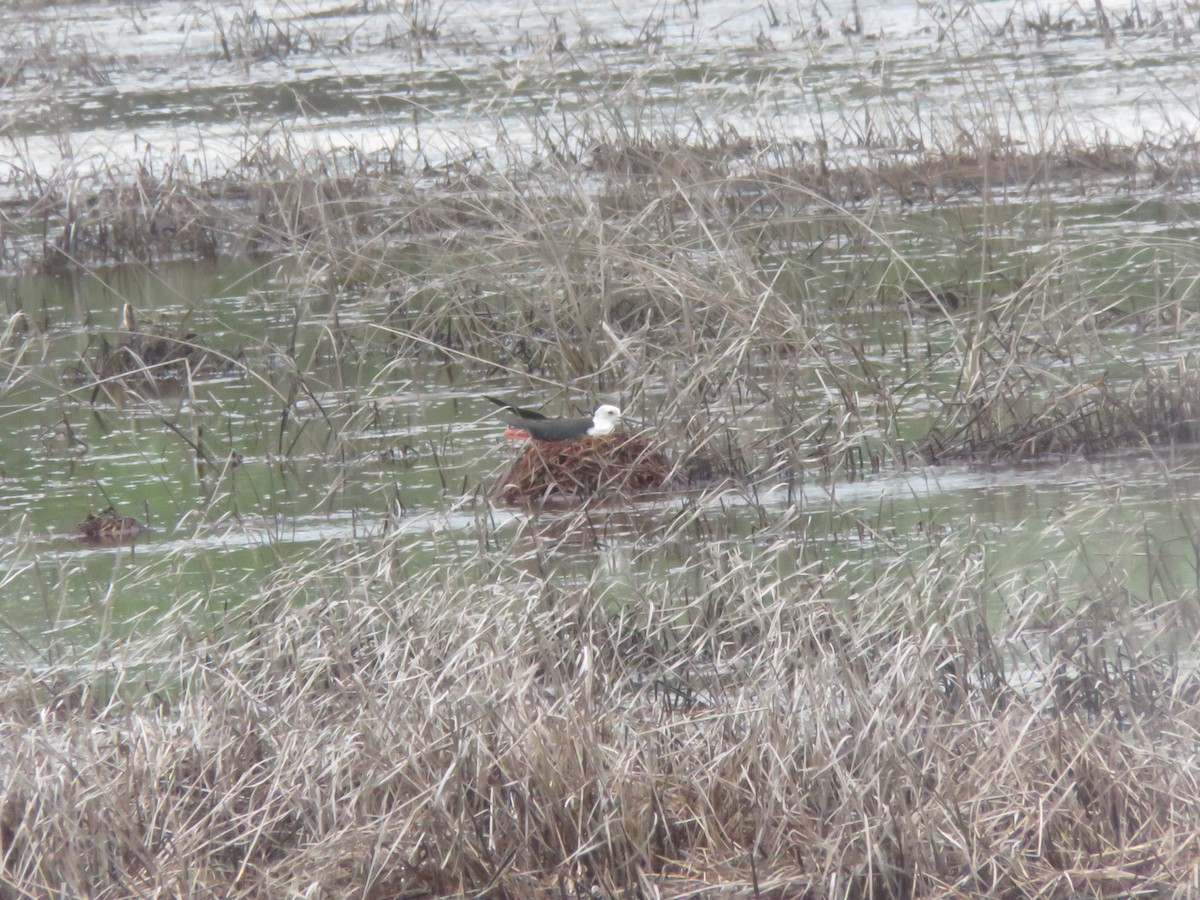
x=1162, y=407
x=682, y=268
x=448, y=736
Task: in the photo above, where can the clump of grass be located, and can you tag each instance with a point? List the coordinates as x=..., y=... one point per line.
x=146, y=356
x=1007, y=423
x=52, y=54
x=145, y=219
x=1043, y=382
x=1011, y=419
x=252, y=36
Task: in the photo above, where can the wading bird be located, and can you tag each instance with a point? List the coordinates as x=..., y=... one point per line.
x=528, y=423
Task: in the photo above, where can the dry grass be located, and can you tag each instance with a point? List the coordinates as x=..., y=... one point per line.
x=281, y=199
x=1009, y=422
x=435, y=733
x=718, y=714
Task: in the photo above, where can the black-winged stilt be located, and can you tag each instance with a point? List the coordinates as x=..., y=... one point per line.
x=530, y=423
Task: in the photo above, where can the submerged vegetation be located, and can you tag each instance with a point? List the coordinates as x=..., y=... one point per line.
x=755, y=684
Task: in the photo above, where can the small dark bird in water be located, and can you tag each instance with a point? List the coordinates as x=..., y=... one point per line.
x=528, y=423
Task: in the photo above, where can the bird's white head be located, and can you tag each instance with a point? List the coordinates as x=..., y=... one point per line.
x=605, y=419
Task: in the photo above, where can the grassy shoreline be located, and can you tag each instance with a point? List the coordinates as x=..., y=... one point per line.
x=808, y=734
x=325, y=206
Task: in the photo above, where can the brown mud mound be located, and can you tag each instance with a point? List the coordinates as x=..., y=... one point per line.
x=615, y=465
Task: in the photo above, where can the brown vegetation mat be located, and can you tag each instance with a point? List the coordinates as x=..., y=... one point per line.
x=617, y=464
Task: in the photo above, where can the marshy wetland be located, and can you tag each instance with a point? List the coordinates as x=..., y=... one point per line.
x=905, y=294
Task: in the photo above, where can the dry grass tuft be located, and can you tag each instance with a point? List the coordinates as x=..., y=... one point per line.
x=439, y=733
x=1009, y=423
x=149, y=355
x=143, y=357
x=149, y=219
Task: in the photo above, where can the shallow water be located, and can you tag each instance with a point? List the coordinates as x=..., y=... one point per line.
x=97, y=85
x=378, y=449
x=342, y=445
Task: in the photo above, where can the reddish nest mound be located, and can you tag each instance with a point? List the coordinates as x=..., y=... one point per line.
x=615, y=464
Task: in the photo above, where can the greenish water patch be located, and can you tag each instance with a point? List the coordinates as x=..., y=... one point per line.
x=334, y=407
